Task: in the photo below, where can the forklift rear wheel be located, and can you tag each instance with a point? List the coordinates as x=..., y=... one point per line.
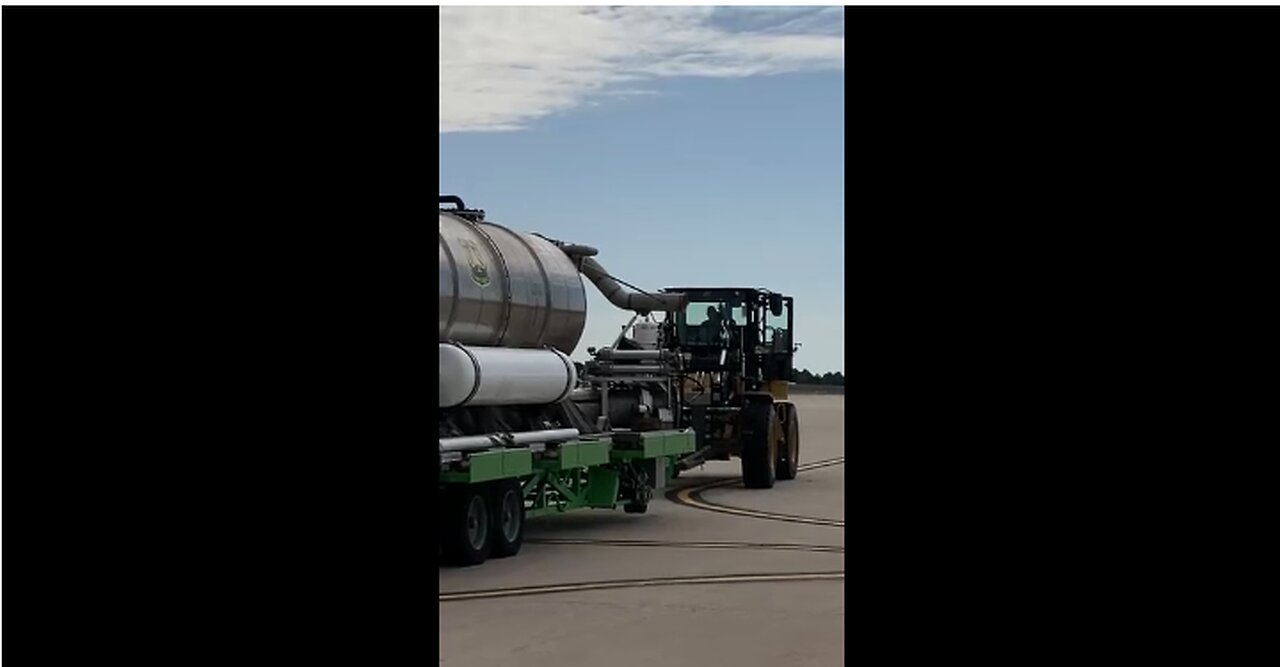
x=508, y=518
x=466, y=539
x=789, y=452
x=759, y=444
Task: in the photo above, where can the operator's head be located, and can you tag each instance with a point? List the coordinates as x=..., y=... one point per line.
x=712, y=313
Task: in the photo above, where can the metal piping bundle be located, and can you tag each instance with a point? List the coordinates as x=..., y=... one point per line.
x=468, y=443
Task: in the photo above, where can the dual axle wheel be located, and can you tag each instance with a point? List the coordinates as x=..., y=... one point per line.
x=482, y=521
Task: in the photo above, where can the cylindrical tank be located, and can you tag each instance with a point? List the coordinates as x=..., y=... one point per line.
x=500, y=288
x=503, y=376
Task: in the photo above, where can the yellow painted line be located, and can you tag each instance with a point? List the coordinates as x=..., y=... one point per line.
x=641, y=583
x=685, y=497
x=825, y=463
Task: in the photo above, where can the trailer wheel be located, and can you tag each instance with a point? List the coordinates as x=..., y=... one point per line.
x=759, y=444
x=508, y=518
x=789, y=452
x=466, y=530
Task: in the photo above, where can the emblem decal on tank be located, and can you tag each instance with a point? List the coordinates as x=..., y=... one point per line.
x=479, y=272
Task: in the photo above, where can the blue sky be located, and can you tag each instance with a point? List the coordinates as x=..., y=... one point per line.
x=692, y=147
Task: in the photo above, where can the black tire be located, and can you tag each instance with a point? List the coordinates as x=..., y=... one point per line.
x=759, y=424
x=636, y=507
x=465, y=533
x=789, y=452
x=507, y=518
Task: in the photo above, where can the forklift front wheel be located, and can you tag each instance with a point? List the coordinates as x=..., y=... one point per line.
x=760, y=434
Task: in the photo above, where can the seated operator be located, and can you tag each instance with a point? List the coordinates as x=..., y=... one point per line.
x=713, y=326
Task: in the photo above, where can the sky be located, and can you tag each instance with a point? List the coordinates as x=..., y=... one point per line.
x=691, y=146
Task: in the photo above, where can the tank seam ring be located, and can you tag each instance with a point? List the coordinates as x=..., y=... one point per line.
x=571, y=376
x=457, y=289
x=475, y=363
x=546, y=282
x=506, y=276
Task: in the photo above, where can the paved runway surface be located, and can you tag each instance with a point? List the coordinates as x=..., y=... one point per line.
x=722, y=576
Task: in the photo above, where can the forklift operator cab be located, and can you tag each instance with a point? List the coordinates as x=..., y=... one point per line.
x=742, y=330
x=703, y=333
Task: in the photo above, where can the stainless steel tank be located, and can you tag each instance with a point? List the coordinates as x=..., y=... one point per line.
x=506, y=289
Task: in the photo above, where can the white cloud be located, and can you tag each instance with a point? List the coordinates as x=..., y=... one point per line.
x=502, y=67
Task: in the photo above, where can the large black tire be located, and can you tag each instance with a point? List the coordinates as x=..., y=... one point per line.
x=759, y=424
x=466, y=531
x=507, y=518
x=789, y=452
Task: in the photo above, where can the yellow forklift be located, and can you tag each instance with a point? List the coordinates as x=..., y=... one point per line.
x=736, y=350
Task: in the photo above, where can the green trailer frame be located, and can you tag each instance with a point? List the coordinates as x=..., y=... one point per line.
x=593, y=472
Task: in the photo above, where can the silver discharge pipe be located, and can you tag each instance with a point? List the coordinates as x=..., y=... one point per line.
x=627, y=299
x=471, y=443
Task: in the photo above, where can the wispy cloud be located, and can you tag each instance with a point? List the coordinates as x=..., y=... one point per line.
x=502, y=67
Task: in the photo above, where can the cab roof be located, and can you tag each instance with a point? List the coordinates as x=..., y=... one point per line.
x=719, y=290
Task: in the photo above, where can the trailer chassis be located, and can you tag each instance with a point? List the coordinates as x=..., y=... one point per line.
x=487, y=495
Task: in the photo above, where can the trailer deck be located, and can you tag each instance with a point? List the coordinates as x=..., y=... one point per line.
x=591, y=472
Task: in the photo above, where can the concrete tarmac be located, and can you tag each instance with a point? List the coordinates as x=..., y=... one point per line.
x=722, y=613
